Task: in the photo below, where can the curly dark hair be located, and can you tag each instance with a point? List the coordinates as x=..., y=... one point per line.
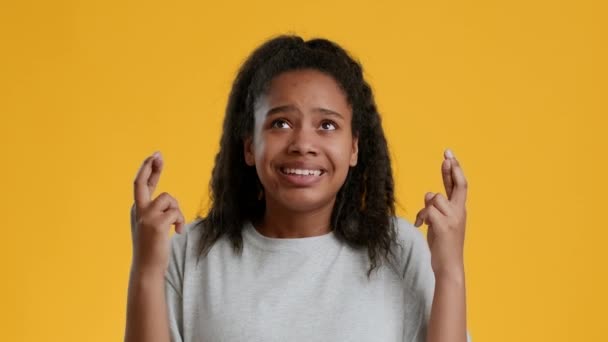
x=364, y=208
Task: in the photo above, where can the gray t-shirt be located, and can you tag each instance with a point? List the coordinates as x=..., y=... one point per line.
x=302, y=289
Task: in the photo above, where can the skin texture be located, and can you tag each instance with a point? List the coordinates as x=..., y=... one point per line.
x=151, y=220
x=289, y=129
x=446, y=220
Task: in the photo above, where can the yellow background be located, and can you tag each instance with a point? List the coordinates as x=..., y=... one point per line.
x=517, y=89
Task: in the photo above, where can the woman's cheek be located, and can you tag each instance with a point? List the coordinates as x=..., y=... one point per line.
x=341, y=161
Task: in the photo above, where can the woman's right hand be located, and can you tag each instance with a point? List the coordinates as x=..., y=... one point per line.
x=151, y=220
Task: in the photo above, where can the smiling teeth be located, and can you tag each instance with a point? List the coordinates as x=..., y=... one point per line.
x=301, y=172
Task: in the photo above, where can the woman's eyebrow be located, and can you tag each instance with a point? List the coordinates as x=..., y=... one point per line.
x=291, y=108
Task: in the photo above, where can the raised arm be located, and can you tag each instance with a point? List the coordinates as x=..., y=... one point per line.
x=146, y=309
x=151, y=220
x=448, y=313
x=446, y=219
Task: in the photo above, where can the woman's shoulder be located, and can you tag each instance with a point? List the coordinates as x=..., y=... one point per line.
x=407, y=232
x=413, y=250
x=190, y=235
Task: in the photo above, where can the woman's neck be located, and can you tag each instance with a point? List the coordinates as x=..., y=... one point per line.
x=279, y=222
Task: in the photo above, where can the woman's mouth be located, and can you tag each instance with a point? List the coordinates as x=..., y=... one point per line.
x=301, y=177
x=301, y=172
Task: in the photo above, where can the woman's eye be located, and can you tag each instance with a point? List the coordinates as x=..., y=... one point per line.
x=279, y=124
x=328, y=125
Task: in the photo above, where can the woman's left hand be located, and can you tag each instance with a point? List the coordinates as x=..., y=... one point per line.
x=446, y=219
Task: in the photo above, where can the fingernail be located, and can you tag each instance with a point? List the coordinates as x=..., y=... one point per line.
x=157, y=155
x=449, y=153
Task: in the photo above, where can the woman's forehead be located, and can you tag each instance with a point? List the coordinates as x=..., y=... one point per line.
x=305, y=88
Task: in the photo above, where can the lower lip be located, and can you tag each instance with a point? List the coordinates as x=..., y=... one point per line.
x=299, y=180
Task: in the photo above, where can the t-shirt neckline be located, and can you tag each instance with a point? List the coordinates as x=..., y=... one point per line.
x=251, y=234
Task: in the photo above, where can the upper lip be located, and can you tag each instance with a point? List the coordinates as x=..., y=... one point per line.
x=301, y=165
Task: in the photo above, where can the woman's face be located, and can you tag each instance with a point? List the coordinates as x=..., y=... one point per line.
x=302, y=146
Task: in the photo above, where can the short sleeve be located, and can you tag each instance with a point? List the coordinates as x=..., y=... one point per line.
x=418, y=281
x=174, y=280
x=174, y=305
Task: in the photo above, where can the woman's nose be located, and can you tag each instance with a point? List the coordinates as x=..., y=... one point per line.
x=303, y=141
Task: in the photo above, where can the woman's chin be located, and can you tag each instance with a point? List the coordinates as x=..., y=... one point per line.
x=302, y=201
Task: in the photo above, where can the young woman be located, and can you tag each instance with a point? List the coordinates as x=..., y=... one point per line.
x=301, y=242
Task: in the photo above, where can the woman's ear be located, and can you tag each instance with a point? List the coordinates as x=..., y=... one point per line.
x=354, y=151
x=248, y=150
